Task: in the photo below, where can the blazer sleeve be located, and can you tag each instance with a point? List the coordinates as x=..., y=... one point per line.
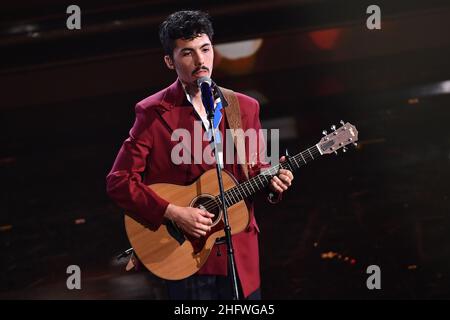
x=124, y=183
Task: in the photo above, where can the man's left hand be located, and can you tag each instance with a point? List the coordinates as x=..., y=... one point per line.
x=282, y=181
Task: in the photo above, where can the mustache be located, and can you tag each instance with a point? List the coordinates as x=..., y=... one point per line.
x=200, y=68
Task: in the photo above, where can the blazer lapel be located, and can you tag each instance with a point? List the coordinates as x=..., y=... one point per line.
x=176, y=112
x=172, y=99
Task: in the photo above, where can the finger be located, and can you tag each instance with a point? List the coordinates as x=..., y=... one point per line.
x=287, y=173
x=206, y=214
x=195, y=234
x=280, y=183
x=290, y=175
x=204, y=221
x=200, y=230
x=282, y=159
x=276, y=187
x=203, y=225
x=285, y=179
x=204, y=217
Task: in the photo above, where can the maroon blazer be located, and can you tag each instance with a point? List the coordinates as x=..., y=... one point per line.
x=147, y=153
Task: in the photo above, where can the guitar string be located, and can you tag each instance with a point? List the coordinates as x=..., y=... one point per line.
x=238, y=192
x=239, y=189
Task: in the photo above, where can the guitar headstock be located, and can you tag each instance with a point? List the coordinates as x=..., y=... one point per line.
x=338, y=138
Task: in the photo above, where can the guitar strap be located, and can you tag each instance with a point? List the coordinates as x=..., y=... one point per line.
x=233, y=115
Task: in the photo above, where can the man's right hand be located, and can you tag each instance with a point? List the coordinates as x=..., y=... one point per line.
x=193, y=221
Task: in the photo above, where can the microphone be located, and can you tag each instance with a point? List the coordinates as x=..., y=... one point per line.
x=204, y=83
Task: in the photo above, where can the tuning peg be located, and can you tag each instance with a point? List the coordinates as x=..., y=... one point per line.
x=335, y=152
x=355, y=144
x=342, y=122
x=324, y=132
x=286, y=153
x=333, y=127
x=344, y=149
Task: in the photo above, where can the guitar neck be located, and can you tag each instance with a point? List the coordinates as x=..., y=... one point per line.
x=262, y=180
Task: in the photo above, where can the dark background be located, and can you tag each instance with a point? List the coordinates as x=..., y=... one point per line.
x=68, y=102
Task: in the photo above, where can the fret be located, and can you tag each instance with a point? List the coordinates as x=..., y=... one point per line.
x=310, y=154
x=320, y=151
x=237, y=194
x=259, y=179
x=242, y=187
x=258, y=187
x=260, y=176
x=296, y=163
x=252, y=186
x=227, y=198
x=219, y=201
x=303, y=158
x=288, y=166
x=232, y=195
x=230, y=202
x=240, y=197
x=246, y=185
x=257, y=183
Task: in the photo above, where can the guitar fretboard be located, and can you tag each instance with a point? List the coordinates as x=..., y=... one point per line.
x=262, y=180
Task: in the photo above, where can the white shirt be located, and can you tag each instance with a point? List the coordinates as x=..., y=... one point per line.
x=205, y=122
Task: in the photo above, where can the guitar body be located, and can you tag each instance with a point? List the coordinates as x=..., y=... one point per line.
x=167, y=252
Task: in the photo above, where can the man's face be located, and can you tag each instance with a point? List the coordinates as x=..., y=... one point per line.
x=192, y=59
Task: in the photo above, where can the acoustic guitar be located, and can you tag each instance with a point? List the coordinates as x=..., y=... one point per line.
x=170, y=254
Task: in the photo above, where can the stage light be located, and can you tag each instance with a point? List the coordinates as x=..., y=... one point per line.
x=325, y=39
x=239, y=49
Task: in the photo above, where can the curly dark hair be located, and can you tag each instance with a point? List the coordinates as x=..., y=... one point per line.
x=184, y=25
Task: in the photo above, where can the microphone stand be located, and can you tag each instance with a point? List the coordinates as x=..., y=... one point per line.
x=227, y=228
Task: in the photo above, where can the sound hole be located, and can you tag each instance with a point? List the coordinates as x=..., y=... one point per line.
x=208, y=203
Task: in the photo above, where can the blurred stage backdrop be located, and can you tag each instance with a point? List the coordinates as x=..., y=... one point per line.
x=67, y=103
